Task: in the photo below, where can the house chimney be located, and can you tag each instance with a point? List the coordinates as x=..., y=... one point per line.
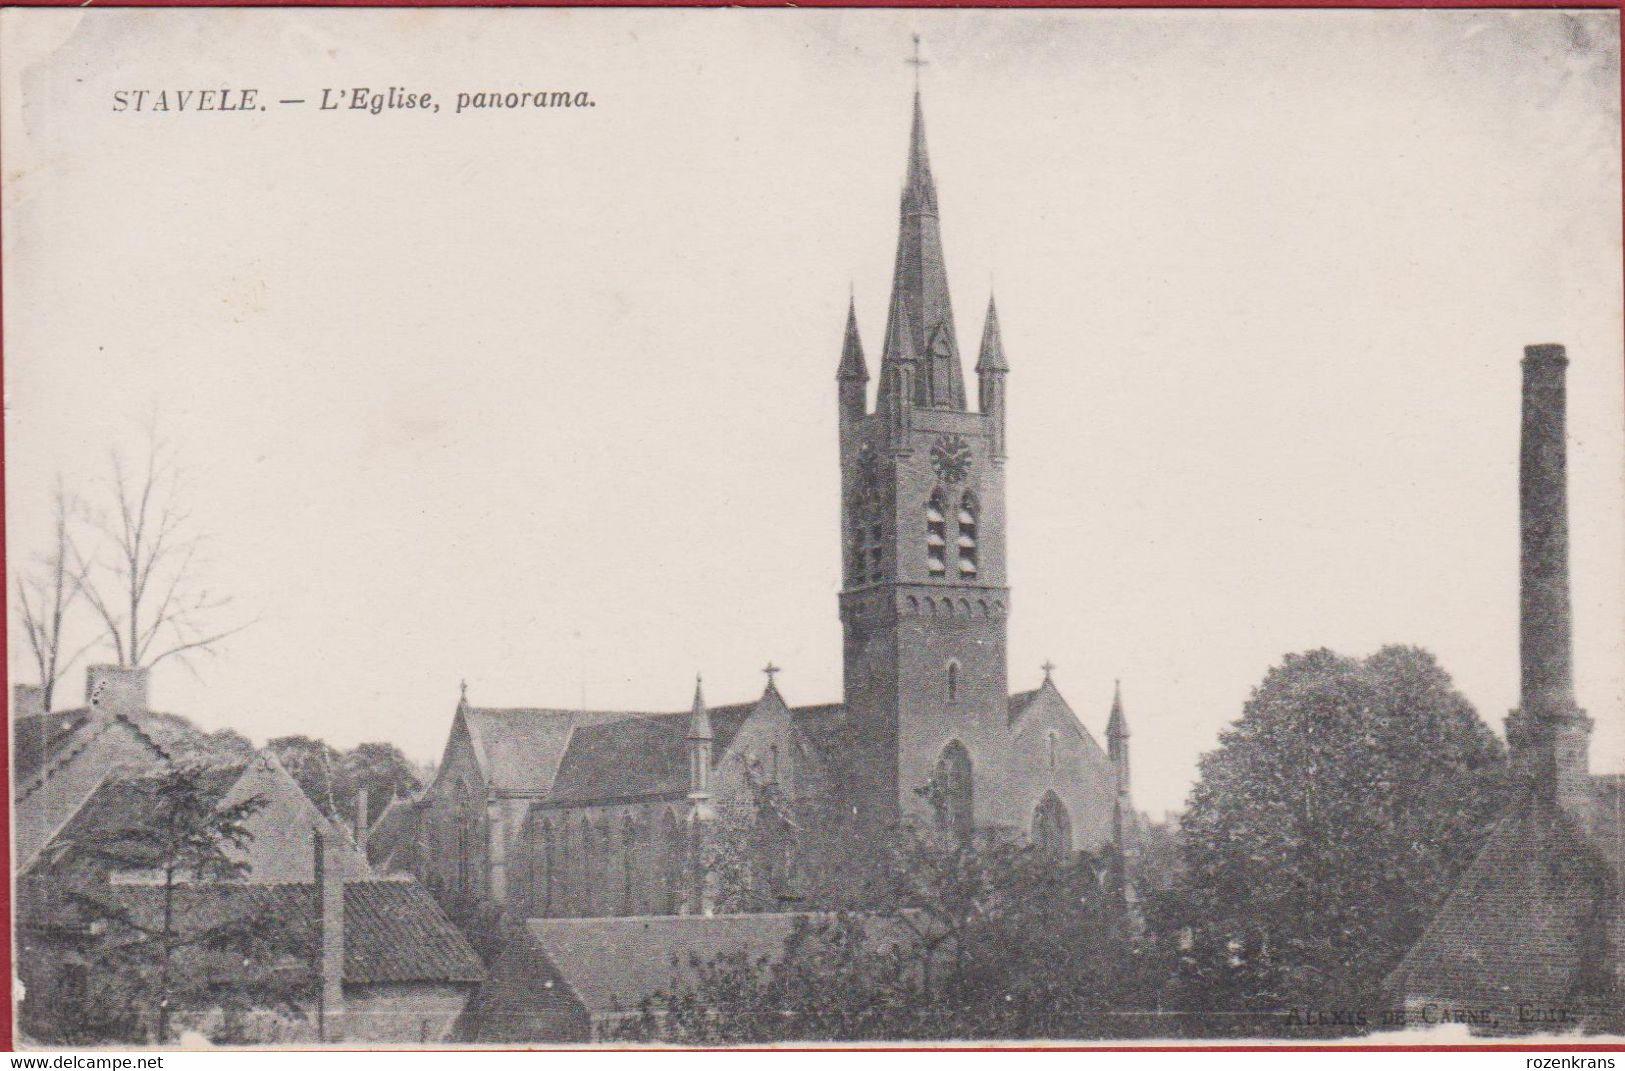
x=1548, y=735
x=330, y=945
x=27, y=700
x=361, y=822
x=115, y=690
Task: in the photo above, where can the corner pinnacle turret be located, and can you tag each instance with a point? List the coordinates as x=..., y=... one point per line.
x=853, y=366
x=699, y=718
x=1117, y=724
x=991, y=357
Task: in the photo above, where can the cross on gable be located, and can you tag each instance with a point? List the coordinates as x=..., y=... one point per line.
x=1047, y=667
x=771, y=670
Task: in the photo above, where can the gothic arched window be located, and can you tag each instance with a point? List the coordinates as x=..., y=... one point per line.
x=542, y=895
x=1052, y=829
x=563, y=868
x=629, y=846
x=604, y=898
x=587, y=890
x=936, y=536
x=967, y=535
x=956, y=793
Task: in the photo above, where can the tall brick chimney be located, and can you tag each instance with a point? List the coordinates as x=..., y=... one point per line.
x=1548, y=734
x=329, y=887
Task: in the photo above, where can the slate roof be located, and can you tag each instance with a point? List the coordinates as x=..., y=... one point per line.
x=821, y=725
x=392, y=840
x=1020, y=701
x=1527, y=923
x=519, y=748
x=637, y=757
x=571, y=757
x=394, y=932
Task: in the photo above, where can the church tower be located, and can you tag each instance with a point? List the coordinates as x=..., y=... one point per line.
x=923, y=601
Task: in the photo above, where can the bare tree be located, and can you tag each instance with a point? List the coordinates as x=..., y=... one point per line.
x=46, y=592
x=143, y=582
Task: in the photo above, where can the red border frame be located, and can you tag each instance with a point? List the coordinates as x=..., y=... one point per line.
x=6, y=973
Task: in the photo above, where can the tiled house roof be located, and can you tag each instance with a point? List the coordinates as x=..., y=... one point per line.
x=1529, y=922
x=394, y=932
x=118, y=804
x=42, y=738
x=38, y=737
x=42, y=743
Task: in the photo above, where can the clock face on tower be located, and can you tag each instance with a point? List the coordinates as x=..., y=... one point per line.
x=950, y=456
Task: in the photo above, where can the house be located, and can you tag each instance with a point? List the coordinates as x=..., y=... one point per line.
x=362, y=958
x=279, y=849
x=58, y=758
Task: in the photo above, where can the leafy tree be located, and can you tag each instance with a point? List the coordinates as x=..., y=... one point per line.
x=383, y=771
x=333, y=779
x=320, y=770
x=1324, y=832
x=983, y=940
x=148, y=952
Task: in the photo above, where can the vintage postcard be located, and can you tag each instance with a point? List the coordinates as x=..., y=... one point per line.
x=538, y=527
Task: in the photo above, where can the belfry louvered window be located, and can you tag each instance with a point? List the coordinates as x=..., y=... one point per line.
x=967, y=535
x=936, y=536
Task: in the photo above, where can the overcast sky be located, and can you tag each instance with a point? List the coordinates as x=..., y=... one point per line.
x=546, y=400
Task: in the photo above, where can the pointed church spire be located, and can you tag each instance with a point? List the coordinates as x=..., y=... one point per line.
x=991, y=358
x=699, y=757
x=1117, y=725
x=1117, y=748
x=853, y=366
x=920, y=287
x=919, y=192
x=699, y=719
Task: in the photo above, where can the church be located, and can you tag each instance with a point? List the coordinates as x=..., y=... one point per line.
x=546, y=812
